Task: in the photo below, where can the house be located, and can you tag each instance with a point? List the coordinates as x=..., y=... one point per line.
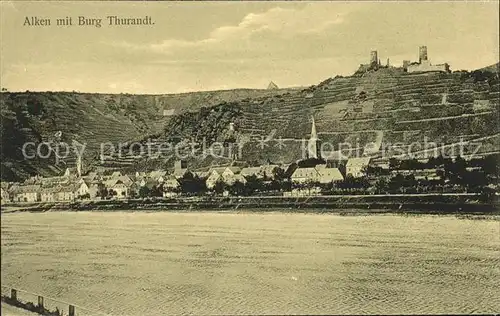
x=327, y=175
x=179, y=173
x=303, y=175
x=170, y=186
x=70, y=192
x=212, y=179
x=95, y=189
x=92, y=176
x=26, y=193
x=82, y=189
x=156, y=174
x=268, y=171
x=218, y=170
x=213, y=176
x=171, y=183
x=48, y=194
x=356, y=167
x=202, y=174
x=320, y=173
x=251, y=171
x=117, y=188
x=230, y=172
x=231, y=179
x=126, y=179
x=116, y=174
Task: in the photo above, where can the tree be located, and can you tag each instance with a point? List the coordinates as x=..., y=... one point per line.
x=144, y=191
x=102, y=192
x=237, y=188
x=156, y=191
x=382, y=186
x=253, y=185
x=192, y=184
x=393, y=163
x=219, y=187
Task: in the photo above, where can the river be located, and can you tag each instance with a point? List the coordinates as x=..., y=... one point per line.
x=136, y=263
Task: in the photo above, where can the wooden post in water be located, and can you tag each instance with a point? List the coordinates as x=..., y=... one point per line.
x=71, y=310
x=13, y=294
x=40, y=302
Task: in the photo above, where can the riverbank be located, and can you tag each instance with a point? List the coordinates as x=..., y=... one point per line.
x=401, y=203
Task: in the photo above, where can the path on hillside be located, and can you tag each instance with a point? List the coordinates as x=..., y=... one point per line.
x=444, y=118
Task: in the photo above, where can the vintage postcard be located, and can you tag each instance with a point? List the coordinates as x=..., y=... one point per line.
x=249, y=158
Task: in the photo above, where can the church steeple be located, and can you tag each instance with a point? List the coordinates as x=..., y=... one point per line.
x=314, y=134
x=312, y=145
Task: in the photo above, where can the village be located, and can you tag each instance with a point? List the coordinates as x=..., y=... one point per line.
x=308, y=177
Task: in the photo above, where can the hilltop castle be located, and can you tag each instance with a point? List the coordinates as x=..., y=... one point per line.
x=423, y=64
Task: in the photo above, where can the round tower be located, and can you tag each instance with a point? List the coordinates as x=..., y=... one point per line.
x=373, y=57
x=422, y=53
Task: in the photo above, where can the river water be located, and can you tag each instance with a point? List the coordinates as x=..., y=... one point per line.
x=126, y=263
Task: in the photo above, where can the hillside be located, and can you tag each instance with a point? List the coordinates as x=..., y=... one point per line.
x=397, y=112
x=92, y=119
x=394, y=111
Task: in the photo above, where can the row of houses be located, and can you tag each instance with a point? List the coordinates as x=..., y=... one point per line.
x=94, y=185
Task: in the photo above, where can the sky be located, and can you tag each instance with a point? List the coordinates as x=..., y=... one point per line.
x=195, y=46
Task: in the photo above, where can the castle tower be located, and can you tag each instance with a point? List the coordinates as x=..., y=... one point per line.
x=422, y=53
x=373, y=57
x=312, y=145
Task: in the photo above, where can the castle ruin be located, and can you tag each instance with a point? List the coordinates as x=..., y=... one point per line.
x=424, y=64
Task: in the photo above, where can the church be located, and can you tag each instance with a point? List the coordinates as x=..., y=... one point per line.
x=313, y=144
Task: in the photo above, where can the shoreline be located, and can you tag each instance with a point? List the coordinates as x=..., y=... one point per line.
x=354, y=204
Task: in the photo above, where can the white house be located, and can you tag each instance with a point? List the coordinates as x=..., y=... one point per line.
x=170, y=185
x=212, y=179
x=120, y=189
x=231, y=179
x=48, y=194
x=303, y=175
x=251, y=171
x=320, y=174
x=81, y=188
x=230, y=172
x=26, y=193
x=327, y=175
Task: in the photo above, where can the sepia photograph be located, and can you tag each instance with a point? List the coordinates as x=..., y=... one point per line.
x=249, y=158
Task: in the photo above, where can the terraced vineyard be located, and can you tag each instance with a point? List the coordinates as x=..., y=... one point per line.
x=392, y=109
x=388, y=107
x=91, y=119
